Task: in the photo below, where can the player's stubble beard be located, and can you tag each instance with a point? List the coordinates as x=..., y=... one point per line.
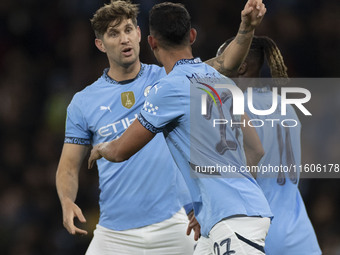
x=134, y=57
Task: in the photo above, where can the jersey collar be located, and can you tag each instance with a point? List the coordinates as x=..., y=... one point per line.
x=112, y=81
x=188, y=61
x=264, y=89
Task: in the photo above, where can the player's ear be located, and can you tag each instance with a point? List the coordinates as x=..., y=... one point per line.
x=100, y=45
x=139, y=33
x=152, y=42
x=193, y=34
x=243, y=68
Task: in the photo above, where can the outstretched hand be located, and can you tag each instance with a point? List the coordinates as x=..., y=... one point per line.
x=94, y=155
x=71, y=211
x=253, y=13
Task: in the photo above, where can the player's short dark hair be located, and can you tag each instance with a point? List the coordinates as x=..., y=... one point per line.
x=170, y=23
x=116, y=11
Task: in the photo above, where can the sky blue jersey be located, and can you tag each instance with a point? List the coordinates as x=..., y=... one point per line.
x=203, y=153
x=291, y=231
x=147, y=188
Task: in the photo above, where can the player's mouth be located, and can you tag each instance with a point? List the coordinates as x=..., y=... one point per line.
x=127, y=52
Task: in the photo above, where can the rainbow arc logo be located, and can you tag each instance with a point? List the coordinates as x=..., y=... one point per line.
x=209, y=93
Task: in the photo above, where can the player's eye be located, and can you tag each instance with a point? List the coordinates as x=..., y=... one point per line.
x=113, y=34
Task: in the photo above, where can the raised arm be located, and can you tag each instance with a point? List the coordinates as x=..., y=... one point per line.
x=71, y=160
x=234, y=55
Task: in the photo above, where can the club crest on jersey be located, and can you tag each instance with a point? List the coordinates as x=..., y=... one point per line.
x=128, y=99
x=147, y=90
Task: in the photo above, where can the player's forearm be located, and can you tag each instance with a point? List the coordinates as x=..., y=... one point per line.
x=252, y=144
x=235, y=53
x=110, y=151
x=131, y=141
x=67, y=185
x=116, y=150
x=253, y=155
x=239, y=47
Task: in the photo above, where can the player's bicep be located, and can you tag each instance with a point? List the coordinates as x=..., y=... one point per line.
x=161, y=106
x=72, y=157
x=76, y=125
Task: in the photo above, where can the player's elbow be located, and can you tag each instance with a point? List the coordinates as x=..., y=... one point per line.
x=254, y=154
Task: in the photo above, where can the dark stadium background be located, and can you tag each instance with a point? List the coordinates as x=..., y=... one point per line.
x=47, y=54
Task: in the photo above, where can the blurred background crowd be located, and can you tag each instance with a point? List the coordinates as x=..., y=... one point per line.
x=47, y=53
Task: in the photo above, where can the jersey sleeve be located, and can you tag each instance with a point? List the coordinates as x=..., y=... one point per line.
x=162, y=106
x=76, y=131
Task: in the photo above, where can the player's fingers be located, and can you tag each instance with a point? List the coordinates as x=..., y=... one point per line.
x=80, y=231
x=258, y=4
x=90, y=162
x=197, y=231
x=193, y=224
x=254, y=3
x=68, y=224
x=247, y=10
x=188, y=230
x=80, y=215
x=262, y=12
x=197, y=235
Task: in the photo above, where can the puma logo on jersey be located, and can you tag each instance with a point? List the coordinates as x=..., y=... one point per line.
x=157, y=88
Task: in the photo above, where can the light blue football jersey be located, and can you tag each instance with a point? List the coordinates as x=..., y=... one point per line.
x=174, y=108
x=147, y=188
x=291, y=231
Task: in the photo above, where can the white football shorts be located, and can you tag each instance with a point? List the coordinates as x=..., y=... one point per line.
x=167, y=237
x=237, y=235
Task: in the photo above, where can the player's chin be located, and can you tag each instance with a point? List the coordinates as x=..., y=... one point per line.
x=127, y=61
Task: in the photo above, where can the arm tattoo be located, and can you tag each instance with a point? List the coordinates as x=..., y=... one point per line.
x=218, y=64
x=243, y=36
x=241, y=39
x=245, y=31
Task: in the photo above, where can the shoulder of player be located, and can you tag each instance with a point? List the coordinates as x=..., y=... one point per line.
x=83, y=96
x=173, y=79
x=152, y=69
x=163, y=87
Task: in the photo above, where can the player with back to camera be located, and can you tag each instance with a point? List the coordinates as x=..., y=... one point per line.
x=291, y=231
x=140, y=199
x=233, y=212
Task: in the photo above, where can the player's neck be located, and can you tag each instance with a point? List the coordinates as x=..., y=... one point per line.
x=123, y=73
x=169, y=58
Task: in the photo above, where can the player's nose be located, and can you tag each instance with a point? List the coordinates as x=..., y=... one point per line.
x=124, y=38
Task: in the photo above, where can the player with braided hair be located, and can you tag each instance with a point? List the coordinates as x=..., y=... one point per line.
x=291, y=231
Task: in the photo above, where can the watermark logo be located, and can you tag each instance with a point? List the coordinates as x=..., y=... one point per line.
x=238, y=99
